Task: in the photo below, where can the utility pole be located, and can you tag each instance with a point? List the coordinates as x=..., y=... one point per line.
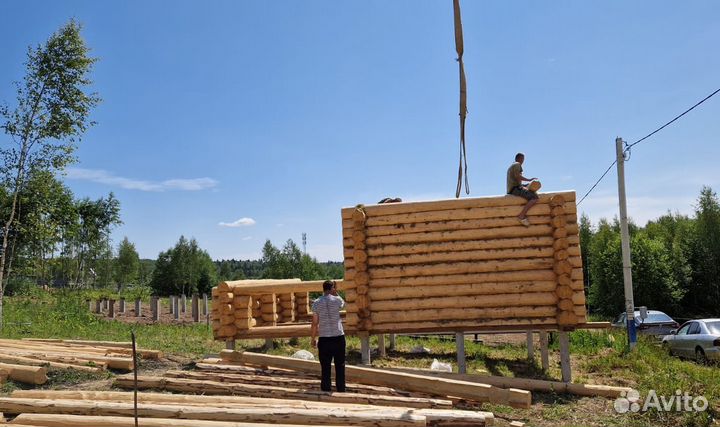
x=304, y=242
x=625, y=238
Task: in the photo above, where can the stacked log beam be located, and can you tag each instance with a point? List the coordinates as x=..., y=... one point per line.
x=434, y=416
x=437, y=386
x=445, y=264
x=302, y=302
x=326, y=416
x=27, y=360
x=208, y=387
x=287, y=307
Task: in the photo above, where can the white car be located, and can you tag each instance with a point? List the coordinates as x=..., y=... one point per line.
x=696, y=339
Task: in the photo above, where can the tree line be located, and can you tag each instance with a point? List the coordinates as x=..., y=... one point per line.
x=675, y=262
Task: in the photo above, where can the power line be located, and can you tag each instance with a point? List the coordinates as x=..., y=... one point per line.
x=597, y=182
x=671, y=121
x=628, y=147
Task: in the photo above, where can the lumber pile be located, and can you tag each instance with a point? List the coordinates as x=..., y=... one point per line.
x=463, y=265
x=439, y=387
x=27, y=360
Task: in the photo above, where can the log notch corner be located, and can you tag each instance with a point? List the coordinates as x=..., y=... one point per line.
x=566, y=317
x=362, y=277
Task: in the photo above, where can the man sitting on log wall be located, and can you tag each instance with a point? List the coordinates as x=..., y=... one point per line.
x=516, y=188
x=326, y=320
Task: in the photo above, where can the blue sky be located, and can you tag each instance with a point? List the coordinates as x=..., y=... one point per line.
x=272, y=115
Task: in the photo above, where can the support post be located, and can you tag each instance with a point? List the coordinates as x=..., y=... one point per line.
x=269, y=344
x=625, y=240
x=205, y=305
x=230, y=345
x=544, y=356
x=121, y=309
x=530, y=346
x=382, y=351
x=460, y=349
x=195, y=308
x=565, y=356
x=171, y=301
x=138, y=307
x=176, y=307
x=184, y=304
x=111, y=308
x=392, y=342
x=98, y=306
x=365, y=347
x=106, y=304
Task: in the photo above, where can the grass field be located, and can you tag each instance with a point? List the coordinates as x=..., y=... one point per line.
x=597, y=357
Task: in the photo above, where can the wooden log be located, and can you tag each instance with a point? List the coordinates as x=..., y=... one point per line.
x=472, y=278
x=453, y=255
x=410, y=382
x=527, y=383
x=462, y=245
x=20, y=360
x=35, y=375
x=264, y=391
x=467, y=224
x=482, y=325
x=461, y=313
x=467, y=302
x=428, y=206
x=61, y=362
x=241, y=414
x=289, y=379
x=449, y=213
x=428, y=291
x=461, y=255
x=461, y=268
x=232, y=285
x=224, y=401
x=462, y=235
x=61, y=420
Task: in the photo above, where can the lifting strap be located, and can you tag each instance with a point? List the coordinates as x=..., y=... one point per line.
x=463, y=101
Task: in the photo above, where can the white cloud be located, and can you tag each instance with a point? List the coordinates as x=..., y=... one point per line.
x=105, y=177
x=242, y=222
x=247, y=238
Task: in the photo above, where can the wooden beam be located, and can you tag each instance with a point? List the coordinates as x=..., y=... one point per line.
x=410, y=382
x=276, y=392
x=527, y=383
x=332, y=416
x=58, y=420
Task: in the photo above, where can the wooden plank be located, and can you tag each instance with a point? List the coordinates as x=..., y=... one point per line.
x=59, y=420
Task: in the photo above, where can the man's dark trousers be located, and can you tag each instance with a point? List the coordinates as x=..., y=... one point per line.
x=332, y=348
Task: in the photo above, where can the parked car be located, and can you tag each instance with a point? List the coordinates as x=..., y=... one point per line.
x=656, y=323
x=697, y=339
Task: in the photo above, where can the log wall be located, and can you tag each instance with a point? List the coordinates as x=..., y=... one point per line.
x=463, y=264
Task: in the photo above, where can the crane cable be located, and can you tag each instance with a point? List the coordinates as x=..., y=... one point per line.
x=463, y=102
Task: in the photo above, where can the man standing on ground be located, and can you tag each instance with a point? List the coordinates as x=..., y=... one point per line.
x=516, y=188
x=331, y=346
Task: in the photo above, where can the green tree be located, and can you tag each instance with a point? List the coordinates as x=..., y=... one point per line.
x=706, y=263
x=51, y=115
x=127, y=264
x=586, y=235
x=183, y=269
